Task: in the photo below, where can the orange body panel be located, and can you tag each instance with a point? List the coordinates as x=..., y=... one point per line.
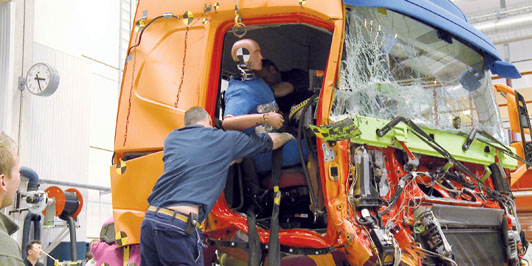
x=131, y=190
x=521, y=178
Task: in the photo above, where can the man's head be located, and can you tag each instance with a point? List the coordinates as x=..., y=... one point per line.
x=34, y=250
x=269, y=72
x=197, y=115
x=9, y=170
x=247, y=51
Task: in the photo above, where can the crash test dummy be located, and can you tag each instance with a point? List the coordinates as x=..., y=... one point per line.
x=250, y=107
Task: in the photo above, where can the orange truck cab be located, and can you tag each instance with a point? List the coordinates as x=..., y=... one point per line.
x=413, y=163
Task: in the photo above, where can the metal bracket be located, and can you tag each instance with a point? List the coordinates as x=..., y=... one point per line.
x=328, y=153
x=21, y=83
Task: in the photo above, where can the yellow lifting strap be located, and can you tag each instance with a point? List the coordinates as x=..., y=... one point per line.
x=126, y=255
x=322, y=260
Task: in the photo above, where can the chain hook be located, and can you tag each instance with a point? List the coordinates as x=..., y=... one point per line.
x=239, y=29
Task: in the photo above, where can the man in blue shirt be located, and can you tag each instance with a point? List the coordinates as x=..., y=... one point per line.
x=196, y=161
x=250, y=107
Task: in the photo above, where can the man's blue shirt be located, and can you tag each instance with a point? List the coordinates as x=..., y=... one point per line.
x=196, y=161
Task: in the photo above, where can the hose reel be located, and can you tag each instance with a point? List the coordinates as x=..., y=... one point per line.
x=68, y=203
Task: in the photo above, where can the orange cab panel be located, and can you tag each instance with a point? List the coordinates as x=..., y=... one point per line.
x=131, y=184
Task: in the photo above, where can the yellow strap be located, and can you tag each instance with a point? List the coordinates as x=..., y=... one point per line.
x=126, y=255
x=322, y=260
x=277, y=196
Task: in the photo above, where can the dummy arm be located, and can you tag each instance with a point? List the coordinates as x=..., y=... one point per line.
x=241, y=122
x=279, y=139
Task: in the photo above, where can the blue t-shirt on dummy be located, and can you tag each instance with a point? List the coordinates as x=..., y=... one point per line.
x=242, y=98
x=196, y=161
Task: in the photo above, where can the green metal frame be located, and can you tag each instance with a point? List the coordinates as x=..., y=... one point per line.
x=479, y=152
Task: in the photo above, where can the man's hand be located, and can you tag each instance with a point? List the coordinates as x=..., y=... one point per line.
x=279, y=139
x=274, y=119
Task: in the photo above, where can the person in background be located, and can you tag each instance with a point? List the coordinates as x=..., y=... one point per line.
x=9, y=182
x=89, y=258
x=33, y=253
x=289, y=87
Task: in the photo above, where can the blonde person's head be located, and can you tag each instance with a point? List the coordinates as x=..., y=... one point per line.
x=8, y=149
x=9, y=170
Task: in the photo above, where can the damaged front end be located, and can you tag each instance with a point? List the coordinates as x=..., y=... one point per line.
x=427, y=162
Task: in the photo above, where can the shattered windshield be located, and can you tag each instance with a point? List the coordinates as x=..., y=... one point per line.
x=393, y=65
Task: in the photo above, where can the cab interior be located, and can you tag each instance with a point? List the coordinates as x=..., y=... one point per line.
x=289, y=46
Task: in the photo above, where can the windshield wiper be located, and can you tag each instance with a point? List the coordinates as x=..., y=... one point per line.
x=495, y=143
x=427, y=139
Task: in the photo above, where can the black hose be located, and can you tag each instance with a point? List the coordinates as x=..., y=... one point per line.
x=73, y=243
x=300, y=150
x=142, y=30
x=31, y=218
x=396, y=194
x=33, y=177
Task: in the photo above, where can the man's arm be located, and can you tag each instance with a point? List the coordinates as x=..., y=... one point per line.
x=242, y=122
x=282, y=89
x=245, y=145
x=279, y=139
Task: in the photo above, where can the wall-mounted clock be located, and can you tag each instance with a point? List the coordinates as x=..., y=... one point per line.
x=42, y=79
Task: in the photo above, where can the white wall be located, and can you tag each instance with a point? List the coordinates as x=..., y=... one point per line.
x=89, y=31
x=67, y=136
x=7, y=33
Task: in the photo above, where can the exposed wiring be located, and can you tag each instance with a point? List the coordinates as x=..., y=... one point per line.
x=437, y=255
x=130, y=94
x=182, y=69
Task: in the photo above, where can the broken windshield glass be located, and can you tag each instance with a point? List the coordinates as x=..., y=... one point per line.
x=393, y=65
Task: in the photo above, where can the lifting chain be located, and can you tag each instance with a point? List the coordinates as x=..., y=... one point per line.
x=239, y=29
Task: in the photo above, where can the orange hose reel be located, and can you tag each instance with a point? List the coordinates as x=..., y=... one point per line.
x=67, y=203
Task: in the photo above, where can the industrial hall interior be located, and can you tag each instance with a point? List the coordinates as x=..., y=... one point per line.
x=265, y=132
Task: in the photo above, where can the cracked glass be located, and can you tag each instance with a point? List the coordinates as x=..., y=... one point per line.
x=393, y=65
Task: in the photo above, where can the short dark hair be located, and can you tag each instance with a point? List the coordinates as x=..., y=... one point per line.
x=195, y=114
x=30, y=245
x=266, y=63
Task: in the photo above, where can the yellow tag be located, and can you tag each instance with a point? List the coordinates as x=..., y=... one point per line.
x=188, y=17
x=121, y=167
x=121, y=238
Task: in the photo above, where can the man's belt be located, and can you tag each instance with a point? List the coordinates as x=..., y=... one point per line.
x=192, y=217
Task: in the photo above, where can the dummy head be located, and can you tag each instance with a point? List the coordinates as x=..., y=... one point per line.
x=246, y=52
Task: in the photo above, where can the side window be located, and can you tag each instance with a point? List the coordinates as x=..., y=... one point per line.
x=297, y=50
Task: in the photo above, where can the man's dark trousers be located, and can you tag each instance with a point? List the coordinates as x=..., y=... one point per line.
x=164, y=242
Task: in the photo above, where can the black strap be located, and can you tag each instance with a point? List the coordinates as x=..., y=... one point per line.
x=274, y=254
x=254, y=249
